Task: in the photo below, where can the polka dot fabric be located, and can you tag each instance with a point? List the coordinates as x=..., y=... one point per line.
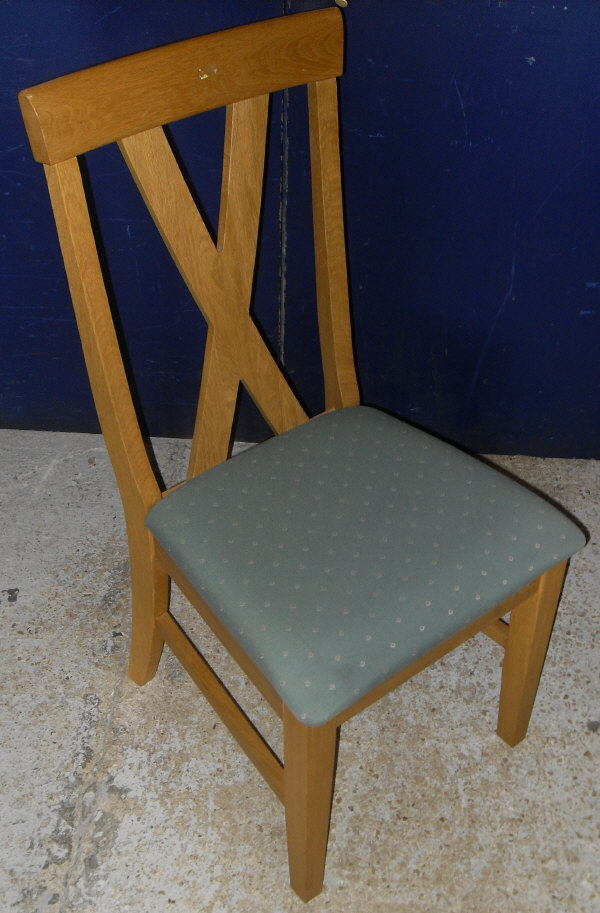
x=343, y=550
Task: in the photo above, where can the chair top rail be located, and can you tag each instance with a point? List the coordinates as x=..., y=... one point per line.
x=70, y=115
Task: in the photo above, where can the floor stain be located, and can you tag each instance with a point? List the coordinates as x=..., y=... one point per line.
x=12, y=594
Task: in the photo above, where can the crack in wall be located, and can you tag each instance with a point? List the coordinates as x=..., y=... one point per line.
x=488, y=339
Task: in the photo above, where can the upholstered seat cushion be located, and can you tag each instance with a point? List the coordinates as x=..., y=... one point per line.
x=343, y=550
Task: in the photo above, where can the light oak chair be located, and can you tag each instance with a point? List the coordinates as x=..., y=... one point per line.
x=349, y=551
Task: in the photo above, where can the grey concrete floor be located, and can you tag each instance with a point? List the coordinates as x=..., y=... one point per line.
x=136, y=800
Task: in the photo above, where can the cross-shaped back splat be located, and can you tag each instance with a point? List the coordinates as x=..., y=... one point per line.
x=219, y=277
x=129, y=101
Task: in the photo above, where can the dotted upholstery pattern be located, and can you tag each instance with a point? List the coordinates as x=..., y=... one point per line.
x=343, y=550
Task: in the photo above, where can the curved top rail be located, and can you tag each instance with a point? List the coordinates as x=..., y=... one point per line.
x=81, y=111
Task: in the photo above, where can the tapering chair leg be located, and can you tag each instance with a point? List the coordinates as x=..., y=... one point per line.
x=309, y=773
x=149, y=599
x=528, y=637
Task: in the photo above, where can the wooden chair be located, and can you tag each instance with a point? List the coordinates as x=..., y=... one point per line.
x=349, y=551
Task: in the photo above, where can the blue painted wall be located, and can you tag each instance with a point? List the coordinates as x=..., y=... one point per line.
x=471, y=139
x=472, y=155
x=43, y=382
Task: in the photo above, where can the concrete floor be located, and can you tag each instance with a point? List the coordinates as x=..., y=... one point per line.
x=136, y=800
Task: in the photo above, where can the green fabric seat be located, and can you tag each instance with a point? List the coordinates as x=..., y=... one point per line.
x=343, y=550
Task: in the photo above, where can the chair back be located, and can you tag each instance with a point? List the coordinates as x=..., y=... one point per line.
x=129, y=101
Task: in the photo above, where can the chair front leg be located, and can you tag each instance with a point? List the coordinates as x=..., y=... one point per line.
x=528, y=638
x=309, y=773
x=149, y=599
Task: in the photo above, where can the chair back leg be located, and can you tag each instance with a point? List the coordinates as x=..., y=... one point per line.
x=149, y=600
x=310, y=754
x=528, y=637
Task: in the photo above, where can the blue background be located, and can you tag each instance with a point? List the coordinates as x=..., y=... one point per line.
x=471, y=148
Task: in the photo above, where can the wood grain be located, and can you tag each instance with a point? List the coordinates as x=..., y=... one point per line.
x=309, y=773
x=81, y=111
x=528, y=637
